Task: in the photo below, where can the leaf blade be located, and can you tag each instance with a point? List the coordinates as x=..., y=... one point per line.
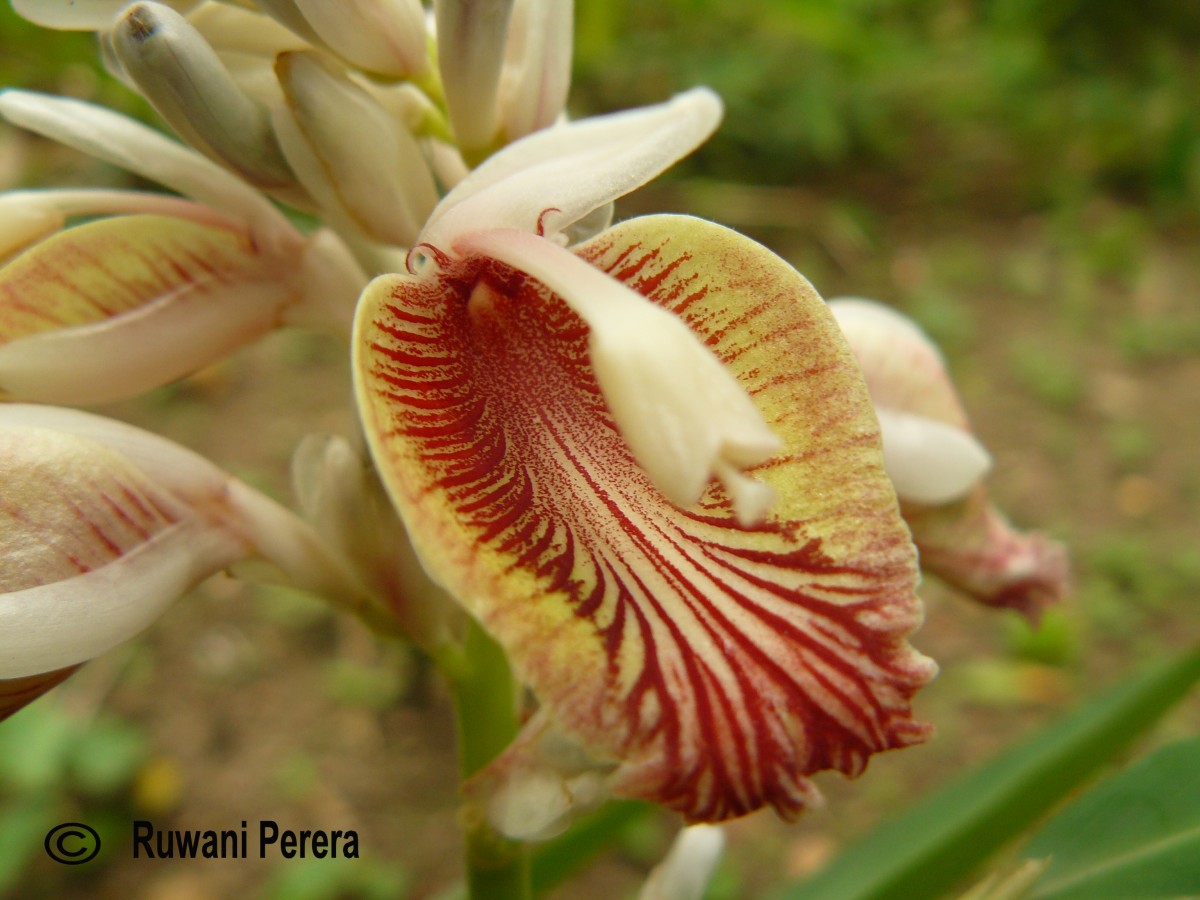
x=1138, y=831
x=931, y=847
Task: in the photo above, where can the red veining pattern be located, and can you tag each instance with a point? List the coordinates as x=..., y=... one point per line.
x=108, y=267
x=718, y=665
x=60, y=526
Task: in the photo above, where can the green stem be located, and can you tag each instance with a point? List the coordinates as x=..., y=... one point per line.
x=486, y=702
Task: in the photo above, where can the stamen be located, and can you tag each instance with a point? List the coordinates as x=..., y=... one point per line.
x=541, y=222
x=421, y=253
x=681, y=412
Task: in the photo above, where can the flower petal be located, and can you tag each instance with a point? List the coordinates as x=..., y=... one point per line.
x=95, y=550
x=929, y=461
x=27, y=217
x=379, y=180
x=537, y=71
x=903, y=368
x=78, y=15
x=573, y=169
x=117, y=306
x=938, y=468
x=471, y=39
x=123, y=142
x=972, y=546
x=234, y=29
x=712, y=665
x=384, y=36
x=104, y=525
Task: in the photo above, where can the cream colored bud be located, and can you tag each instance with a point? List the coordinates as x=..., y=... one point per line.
x=182, y=77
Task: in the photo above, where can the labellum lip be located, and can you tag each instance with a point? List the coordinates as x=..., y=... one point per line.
x=714, y=666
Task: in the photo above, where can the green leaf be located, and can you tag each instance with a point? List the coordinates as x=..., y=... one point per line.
x=1136, y=834
x=929, y=849
x=35, y=748
x=23, y=825
x=108, y=755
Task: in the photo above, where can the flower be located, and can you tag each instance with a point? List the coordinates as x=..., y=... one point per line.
x=105, y=525
x=938, y=467
x=584, y=442
x=162, y=285
x=641, y=456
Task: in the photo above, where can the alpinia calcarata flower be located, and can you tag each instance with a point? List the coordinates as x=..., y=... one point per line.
x=938, y=467
x=163, y=285
x=566, y=433
x=103, y=526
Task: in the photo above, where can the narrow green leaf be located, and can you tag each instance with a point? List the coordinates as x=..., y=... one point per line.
x=929, y=849
x=1136, y=834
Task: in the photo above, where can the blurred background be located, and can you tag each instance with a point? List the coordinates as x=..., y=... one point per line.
x=1022, y=178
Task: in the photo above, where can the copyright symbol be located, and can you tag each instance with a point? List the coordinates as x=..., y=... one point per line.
x=72, y=843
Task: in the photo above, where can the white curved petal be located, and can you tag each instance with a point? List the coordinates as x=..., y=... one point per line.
x=233, y=29
x=379, y=177
x=385, y=36
x=929, y=461
x=77, y=15
x=56, y=625
x=863, y=320
x=689, y=865
x=573, y=168
x=681, y=412
x=123, y=142
x=903, y=368
x=157, y=343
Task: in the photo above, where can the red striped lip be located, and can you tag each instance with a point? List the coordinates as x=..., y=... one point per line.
x=709, y=666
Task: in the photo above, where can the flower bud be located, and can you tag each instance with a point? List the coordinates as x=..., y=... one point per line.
x=104, y=526
x=471, y=40
x=181, y=76
x=378, y=181
x=937, y=467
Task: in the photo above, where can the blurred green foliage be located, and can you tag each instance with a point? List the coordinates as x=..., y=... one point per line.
x=55, y=767
x=1009, y=102
x=1004, y=101
x=59, y=62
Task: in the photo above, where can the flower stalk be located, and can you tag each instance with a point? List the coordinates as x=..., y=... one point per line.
x=487, y=706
